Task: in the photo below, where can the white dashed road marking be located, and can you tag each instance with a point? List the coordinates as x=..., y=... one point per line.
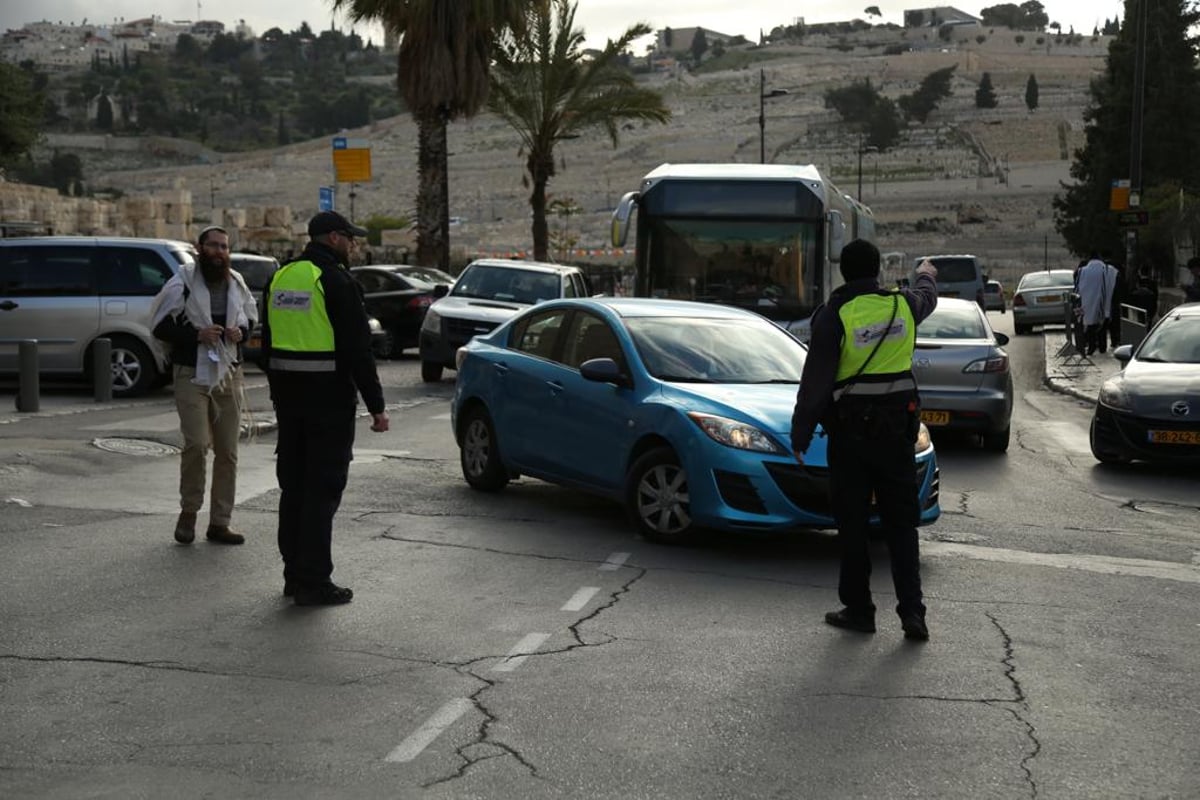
x=1104, y=565
x=523, y=649
x=614, y=561
x=580, y=598
x=423, y=736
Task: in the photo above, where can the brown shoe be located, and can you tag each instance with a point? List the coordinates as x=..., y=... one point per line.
x=222, y=535
x=185, y=527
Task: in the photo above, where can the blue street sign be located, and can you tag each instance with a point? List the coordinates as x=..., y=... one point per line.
x=325, y=199
x=339, y=143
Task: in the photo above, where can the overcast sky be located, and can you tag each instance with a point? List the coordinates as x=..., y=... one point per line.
x=599, y=19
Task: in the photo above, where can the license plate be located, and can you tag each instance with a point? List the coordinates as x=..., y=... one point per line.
x=1174, y=437
x=1049, y=298
x=935, y=417
x=255, y=340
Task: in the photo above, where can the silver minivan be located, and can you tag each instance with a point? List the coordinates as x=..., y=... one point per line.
x=958, y=276
x=68, y=291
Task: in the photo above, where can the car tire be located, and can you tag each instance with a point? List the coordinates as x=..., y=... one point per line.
x=656, y=476
x=395, y=344
x=134, y=371
x=431, y=372
x=997, y=441
x=1100, y=454
x=479, y=452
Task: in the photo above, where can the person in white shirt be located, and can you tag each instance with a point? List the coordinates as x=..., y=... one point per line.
x=1095, y=286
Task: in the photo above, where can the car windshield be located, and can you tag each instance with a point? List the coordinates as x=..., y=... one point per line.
x=257, y=273
x=427, y=275
x=953, y=322
x=1175, y=340
x=704, y=350
x=507, y=284
x=954, y=270
x=1044, y=280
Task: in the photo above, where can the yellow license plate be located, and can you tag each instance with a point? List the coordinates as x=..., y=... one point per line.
x=1050, y=298
x=1174, y=437
x=935, y=417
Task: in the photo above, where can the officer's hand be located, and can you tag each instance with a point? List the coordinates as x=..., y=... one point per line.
x=799, y=457
x=379, y=422
x=926, y=267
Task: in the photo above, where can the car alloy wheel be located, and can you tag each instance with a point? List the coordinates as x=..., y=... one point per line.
x=479, y=453
x=657, y=497
x=133, y=371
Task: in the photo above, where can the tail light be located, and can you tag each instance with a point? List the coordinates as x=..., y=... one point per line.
x=422, y=301
x=992, y=364
x=1018, y=300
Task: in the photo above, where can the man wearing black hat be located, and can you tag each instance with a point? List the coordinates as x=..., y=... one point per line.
x=318, y=347
x=859, y=384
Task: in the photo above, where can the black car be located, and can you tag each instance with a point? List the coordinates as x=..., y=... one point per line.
x=398, y=296
x=257, y=271
x=1151, y=409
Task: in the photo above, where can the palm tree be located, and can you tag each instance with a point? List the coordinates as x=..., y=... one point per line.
x=548, y=90
x=442, y=72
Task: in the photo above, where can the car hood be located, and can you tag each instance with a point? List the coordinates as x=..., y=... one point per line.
x=768, y=405
x=1154, y=388
x=476, y=309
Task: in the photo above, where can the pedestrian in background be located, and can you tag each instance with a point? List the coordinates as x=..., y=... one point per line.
x=205, y=312
x=1094, y=285
x=1116, y=277
x=1191, y=292
x=859, y=385
x=318, y=347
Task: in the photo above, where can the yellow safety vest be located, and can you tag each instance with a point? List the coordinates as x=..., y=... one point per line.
x=301, y=334
x=889, y=371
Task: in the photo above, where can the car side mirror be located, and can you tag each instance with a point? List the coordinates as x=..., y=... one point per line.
x=1123, y=353
x=441, y=290
x=604, y=370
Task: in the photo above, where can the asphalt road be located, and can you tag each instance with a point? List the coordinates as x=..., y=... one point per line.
x=527, y=644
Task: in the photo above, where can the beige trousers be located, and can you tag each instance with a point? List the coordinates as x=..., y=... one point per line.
x=208, y=421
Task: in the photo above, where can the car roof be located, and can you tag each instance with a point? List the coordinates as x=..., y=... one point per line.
x=952, y=302
x=114, y=240
x=539, y=266
x=946, y=255
x=251, y=257
x=1185, y=309
x=629, y=307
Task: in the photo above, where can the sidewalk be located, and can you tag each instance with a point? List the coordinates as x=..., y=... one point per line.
x=1073, y=374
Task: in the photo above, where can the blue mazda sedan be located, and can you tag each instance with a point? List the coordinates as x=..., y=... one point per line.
x=681, y=411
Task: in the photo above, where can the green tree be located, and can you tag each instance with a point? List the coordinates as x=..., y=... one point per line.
x=1031, y=93
x=934, y=88
x=985, y=95
x=378, y=223
x=104, y=113
x=699, y=45
x=548, y=90
x=443, y=66
x=872, y=11
x=21, y=110
x=1170, y=121
x=854, y=102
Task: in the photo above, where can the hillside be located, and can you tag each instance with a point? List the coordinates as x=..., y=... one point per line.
x=970, y=180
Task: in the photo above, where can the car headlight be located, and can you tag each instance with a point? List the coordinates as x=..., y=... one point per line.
x=924, y=442
x=732, y=433
x=374, y=325
x=1114, y=396
x=432, y=321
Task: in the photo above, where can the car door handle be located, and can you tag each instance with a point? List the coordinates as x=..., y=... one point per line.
x=7, y=305
x=555, y=387
x=500, y=369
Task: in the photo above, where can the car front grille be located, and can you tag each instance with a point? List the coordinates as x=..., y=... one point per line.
x=808, y=487
x=461, y=331
x=1136, y=431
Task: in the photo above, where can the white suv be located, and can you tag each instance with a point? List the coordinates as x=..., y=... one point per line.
x=68, y=291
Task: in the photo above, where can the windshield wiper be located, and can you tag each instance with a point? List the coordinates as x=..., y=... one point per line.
x=683, y=379
x=772, y=380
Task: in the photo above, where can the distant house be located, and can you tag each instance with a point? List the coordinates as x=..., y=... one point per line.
x=681, y=39
x=937, y=16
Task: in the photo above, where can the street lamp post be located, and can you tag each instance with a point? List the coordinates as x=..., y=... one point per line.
x=861, y=150
x=763, y=96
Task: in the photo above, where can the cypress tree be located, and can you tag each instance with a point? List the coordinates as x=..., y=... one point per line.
x=1031, y=93
x=985, y=95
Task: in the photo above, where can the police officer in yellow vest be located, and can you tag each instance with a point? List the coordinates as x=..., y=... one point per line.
x=859, y=385
x=318, y=346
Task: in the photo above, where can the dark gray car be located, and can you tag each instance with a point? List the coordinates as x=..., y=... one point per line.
x=962, y=373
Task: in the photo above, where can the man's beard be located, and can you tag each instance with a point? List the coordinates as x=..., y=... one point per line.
x=214, y=269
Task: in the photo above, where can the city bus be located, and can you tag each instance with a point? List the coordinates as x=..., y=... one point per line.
x=766, y=237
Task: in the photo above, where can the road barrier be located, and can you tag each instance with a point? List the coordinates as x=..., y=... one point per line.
x=1134, y=322
x=29, y=386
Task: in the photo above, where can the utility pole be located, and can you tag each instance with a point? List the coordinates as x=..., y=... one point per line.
x=1135, y=129
x=763, y=96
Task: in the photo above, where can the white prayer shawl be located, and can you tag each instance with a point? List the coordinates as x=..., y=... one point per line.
x=213, y=362
x=1095, y=286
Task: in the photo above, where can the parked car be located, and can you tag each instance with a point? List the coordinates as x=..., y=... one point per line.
x=257, y=271
x=1151, y=409
x=1040, y=299
x=993, y=297
x=68, y=291
x=680, y=410
x=963, y=375
x=958, y=276
x=398, y=296
x=487, y=293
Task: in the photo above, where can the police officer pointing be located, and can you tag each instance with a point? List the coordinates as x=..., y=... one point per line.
x=859, y=385
x=318, y=346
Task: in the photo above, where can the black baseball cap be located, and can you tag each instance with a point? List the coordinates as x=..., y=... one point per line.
x=331, y=222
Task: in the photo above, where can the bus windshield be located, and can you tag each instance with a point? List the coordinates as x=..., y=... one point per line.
x=763, y=266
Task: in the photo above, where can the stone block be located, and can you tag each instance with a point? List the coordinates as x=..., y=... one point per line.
x=139, y=207
x=150, y=227
x=177, y=213
x=180, y=231
x=254, y=217
x=277, y=216
x=233, y=218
